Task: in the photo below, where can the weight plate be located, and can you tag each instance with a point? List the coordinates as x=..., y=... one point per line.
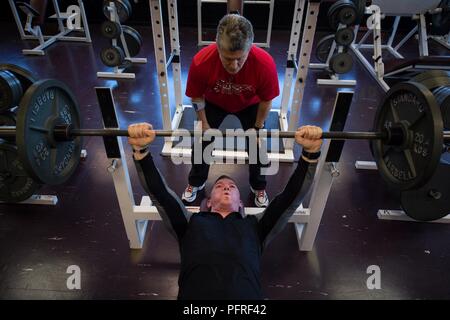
x=409, y=167
x=15, y=183
x=111, y=30
x=347, y=15
x=341, y=63
x=127, y=3
x=10, y=90
x=133, y=40
x=45, y=104
x=25, y=77
x=123, y=9
x=323, y=48
x=333, y=14
x=342, y=11
x=112, y=56
x=442, y=95
x=433, y=78
x=432, y=201
x=360, y=10
x=139, y=37
x=344, y=36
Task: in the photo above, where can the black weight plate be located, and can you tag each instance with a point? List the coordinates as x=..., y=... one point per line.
x=433, y=78
x=16, y=87
x=139, y=37
x=333, y=14
x=360, y=10
x=15, y=183
x=412, y=166
x=347, y=15
x=342, y=11
x=127, y=3
x=341, y=63
x=344, y=36
x=323, y=48
x=123, y=9
x=133, y=40
x=25, y=77
x=442, y=95
x=432, y=201
x=111, y=30
x=10, y=90
x=45, y=104
x=112, y=56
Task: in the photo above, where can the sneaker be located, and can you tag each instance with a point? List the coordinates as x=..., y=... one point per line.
x=261, y=198
x=190, y=193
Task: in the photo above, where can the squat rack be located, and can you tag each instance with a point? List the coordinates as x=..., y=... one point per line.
x=285, y=121
x=136, y=217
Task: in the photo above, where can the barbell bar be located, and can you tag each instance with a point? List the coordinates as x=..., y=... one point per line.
x=65, y=133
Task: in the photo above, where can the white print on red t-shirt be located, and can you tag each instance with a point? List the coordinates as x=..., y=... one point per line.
x=228, y=87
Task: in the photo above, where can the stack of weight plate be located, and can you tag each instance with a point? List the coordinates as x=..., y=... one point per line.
x=115, y=55
x=15, y=184
x=340, y=62
x=342, y=15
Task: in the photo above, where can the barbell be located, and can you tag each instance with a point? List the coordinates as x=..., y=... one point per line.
x=407, y=140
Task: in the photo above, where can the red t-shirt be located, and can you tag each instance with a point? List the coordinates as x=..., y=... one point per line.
x=257, y=80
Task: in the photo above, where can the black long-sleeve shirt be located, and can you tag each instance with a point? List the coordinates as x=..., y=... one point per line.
x=220, y=257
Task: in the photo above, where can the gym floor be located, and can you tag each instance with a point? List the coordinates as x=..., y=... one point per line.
x=85, y=228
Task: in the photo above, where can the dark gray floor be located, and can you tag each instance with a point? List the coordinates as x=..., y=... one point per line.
x=85, y=228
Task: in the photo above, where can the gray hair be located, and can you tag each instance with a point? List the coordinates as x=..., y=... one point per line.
x=234, y=33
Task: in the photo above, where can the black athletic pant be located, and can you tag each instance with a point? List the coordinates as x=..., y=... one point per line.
x=215, y=115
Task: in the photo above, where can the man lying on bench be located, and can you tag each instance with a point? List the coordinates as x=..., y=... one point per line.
x=221, y=247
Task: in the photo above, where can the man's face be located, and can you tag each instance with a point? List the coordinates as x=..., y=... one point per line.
x=225, y=196
x=233, y=61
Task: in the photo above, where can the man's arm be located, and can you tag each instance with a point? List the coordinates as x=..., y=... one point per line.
x=195, y=89
x=173, y=212
x=263, y=111
x=268, y=87
x=199, y=106
x=283, y=206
